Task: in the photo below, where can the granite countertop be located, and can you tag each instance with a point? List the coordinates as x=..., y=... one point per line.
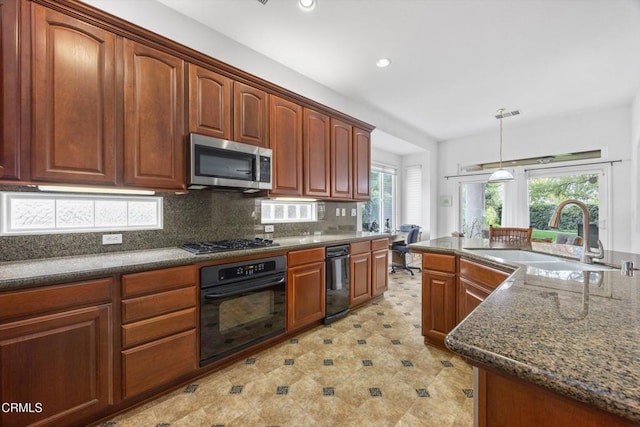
x=576, y=333
x=39, y=272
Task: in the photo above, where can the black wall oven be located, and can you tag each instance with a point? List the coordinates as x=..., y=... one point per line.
x=241, y=304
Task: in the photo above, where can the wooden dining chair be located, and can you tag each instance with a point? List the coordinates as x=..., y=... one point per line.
x=510, y=234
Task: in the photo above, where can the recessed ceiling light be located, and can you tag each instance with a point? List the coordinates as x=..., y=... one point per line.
x=383, y=62
x=307, y=5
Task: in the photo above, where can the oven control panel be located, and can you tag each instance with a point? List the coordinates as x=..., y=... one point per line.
x=217, y=275
x=245, y=270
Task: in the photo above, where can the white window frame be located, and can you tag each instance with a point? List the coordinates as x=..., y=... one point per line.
x=292, y=211
x=9, y=203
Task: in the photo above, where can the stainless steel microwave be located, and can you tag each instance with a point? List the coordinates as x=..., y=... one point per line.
x=218, y=163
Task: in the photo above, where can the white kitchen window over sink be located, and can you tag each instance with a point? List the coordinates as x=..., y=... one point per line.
x=25, y=213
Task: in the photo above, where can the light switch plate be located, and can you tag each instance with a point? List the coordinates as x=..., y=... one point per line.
x=112, y=239
x=268, y=228
x=344, y=212
x=337, y=211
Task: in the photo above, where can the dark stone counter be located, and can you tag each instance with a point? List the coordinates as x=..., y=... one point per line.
x=576, y=333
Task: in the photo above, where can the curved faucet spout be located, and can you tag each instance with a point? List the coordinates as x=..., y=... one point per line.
x=587, y=256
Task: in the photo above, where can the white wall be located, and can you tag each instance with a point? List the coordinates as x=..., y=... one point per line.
x=634, y=229
x=607, y=129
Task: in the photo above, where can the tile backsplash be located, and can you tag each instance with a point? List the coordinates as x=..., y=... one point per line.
x=192, y=217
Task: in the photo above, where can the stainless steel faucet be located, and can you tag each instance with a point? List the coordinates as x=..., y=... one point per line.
x=587, y=256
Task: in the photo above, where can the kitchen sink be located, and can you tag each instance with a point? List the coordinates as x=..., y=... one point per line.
x=540, y=261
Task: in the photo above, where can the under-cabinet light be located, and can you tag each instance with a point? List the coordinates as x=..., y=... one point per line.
x=294, y=199
x=94, y=190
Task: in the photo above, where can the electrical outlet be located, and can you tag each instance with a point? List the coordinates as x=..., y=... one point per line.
x=111, y=239
x=353, y=212
x=268, y=228
x=337, y=211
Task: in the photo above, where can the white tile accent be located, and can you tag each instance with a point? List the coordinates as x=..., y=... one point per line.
x=30, y=213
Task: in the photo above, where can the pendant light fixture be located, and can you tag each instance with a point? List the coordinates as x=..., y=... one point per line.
x=502, y=175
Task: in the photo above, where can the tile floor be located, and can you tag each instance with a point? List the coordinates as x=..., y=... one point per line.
x=368, y=369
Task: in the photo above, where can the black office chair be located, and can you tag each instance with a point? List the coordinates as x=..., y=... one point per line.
x=402, y=250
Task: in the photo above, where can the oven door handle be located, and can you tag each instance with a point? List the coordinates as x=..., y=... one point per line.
x=254, y=286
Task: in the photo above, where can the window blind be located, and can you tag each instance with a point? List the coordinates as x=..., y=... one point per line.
x=413, y=194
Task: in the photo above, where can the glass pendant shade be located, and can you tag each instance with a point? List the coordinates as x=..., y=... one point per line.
x=501, y=175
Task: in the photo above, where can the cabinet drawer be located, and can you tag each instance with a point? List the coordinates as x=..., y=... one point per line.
x=50, y=298
x=439, y=262
x=305, y=256
x=154, y=305
x=158, y=327
x=360, y=247
x=157, y=280
x=481, y=273
x=379, y=244
x=158, y=362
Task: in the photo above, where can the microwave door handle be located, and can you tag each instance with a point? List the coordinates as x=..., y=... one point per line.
x=247, y=288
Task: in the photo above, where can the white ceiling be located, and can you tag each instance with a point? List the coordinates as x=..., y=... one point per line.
x=455, y=62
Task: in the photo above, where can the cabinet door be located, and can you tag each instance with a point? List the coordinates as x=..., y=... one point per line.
x=74, y=100
x=316, y=154
x=379, y=272
x=438, y=305
x=285, y=138
x=305, y=294
x=250, y=111
x=209, y=103
x=341, y=160
x=470, y=295
x=9, y=90
x=154, y=118
x=361, y=163
x=360, y=280
x=60, y=364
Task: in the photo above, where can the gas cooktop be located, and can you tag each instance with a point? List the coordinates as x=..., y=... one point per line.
x=199, y=248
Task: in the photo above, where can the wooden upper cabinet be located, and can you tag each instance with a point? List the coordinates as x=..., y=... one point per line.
x=285, y=136
x=73, y=100
x=316, y=151
x=341, y=159
x=9, y=90
x=209, y=103
x=250, y=110
x=361, y=163
x=154, y=118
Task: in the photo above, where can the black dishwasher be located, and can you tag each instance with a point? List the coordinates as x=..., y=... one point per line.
x=337, y=283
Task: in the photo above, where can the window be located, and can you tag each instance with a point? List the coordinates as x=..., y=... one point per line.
x=480, y=206
x=548, y=188
x=37, y=213
x=380, y=209
x=413, y=194
x=288, y=211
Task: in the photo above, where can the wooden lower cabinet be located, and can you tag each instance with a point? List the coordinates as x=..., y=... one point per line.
x=379, y=266
x=58, y=366
x=438, y=297
x=475, y=284
x=360, y=273
x=305, y=287
x=159, y=335
x=505, y=401
x=438, y=305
